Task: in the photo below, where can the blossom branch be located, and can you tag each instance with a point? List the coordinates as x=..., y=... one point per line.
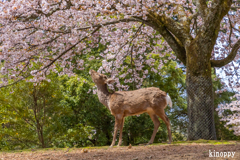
x=132, y=66
x=231, y=27
x=133, y=37
x=70, y=48
x=51, y=63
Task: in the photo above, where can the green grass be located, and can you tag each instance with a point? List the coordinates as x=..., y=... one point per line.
x=200, y=141
x=35, y=150
x=54, y=149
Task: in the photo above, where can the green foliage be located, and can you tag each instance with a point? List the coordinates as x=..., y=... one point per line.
x=85, y=109
x=72, y=137
x=36, y=115
x=27, y=111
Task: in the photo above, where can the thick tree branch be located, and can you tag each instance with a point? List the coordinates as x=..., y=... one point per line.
x=174, y=43
x=203, y=9
x=208, y=31
x=182, y=17
x=220, y=8
x=180, y=31
x=229, y=58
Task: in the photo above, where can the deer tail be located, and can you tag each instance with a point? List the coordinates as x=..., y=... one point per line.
x=169, y=101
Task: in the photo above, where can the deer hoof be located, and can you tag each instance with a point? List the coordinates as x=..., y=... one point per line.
x=148, y=144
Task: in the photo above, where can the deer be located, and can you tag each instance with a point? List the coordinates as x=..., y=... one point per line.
x=121, y=104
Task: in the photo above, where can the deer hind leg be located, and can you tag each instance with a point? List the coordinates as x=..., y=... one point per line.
x=121, y=129
x=164, y=117
x=118, y=121
x=156, y=123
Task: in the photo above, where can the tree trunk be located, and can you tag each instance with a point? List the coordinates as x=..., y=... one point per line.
x=200, y=94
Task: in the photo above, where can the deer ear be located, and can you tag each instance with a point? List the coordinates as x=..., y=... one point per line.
x=110, y=80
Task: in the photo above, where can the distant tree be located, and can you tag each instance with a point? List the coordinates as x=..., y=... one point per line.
x=230, y=115
x=222, y=95
x=27, y=111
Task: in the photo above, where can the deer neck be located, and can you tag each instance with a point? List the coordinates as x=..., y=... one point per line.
x=103, y=95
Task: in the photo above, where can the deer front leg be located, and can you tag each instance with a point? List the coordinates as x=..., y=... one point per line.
x=118, y=122
x=156, y=123
x=121, y=129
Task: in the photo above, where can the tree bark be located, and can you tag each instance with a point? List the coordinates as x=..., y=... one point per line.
x=36, y=110
x=200, y=94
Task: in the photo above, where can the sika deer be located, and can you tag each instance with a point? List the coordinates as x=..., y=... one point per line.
x=128, y=103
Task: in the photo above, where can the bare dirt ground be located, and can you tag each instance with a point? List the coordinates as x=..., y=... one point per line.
x=154, y=152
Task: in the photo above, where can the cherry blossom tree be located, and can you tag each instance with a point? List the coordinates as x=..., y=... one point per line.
x=201, y=34
x=233, y=119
